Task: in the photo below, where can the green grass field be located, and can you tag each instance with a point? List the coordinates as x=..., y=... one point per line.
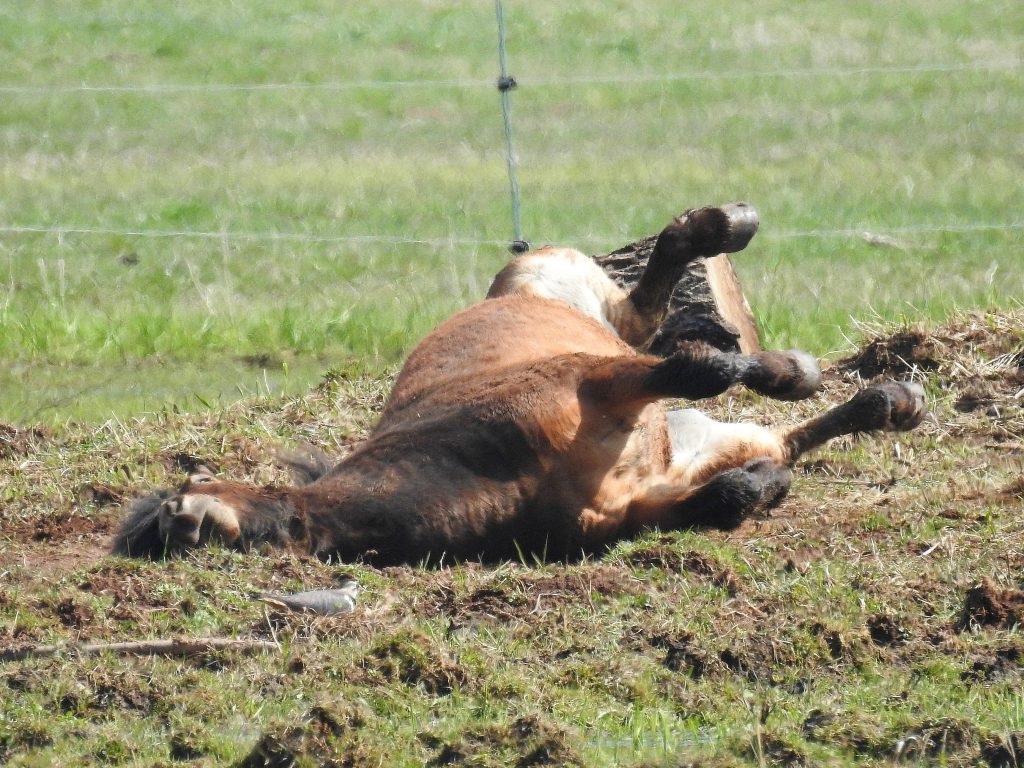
x=104, y=323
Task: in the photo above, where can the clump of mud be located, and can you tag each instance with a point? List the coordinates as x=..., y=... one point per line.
x=20, y=442
x=665, y=554
x=1005, y=751
x=894, y=356
x=988, y=605
x=975, y=360
x=995, y=340
x=996, y=665
x=522, y=595
x=72, y=614
x=884, y=630
x=934, y=738
x=528, y=742
x=859, y=733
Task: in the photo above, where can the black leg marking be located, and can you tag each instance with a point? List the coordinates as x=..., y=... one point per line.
x=698, y=370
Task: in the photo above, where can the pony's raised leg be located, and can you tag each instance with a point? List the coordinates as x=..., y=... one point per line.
x=722, y=472
x=569, y=276
x=703, y=447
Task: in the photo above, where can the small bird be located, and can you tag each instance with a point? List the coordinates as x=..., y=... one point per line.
x=320, y=602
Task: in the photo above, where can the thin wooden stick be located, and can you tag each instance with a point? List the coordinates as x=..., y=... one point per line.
x=173, y=647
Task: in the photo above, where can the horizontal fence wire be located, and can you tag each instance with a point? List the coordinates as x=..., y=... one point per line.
x=171, y=88
x=523, y=81
x=440, y=242
x=306, y=237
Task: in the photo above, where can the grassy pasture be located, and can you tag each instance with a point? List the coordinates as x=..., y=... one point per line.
x=838, y=630
x=94, y=324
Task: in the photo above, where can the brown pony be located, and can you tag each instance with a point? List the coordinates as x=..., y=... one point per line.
x=531, y=423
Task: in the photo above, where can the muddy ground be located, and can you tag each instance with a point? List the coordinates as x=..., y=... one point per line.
x=873, y=618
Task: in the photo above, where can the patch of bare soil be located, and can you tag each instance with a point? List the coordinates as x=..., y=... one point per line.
x=884, y=630
x=988, y=605
x=951, y=737
x=101, y=693
x=22, y=737
x=756, y=656
x=128, y=589
x=103, y=494
x=1003, y=751
x=54, y=543
x=955, y=741
x=326, y=736
x=664, y=554
x=857, y=733
x=977, y=358
x=895, y=355
x=527, y=742
x=773, y=749
x=998, y=664
x=413, y=659
x=521, y=595
x=70, y=613
x=97, y=693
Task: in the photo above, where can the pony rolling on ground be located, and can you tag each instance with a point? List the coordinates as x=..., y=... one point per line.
x=532, y=423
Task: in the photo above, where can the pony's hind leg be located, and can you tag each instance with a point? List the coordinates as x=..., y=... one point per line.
x=703, y=447
x=721, y=472
x=893, y=406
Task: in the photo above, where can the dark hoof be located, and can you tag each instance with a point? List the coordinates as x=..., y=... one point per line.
x=907, y=404
x=743, y=224
x=719, y=229
x=774, y=477
x=709, y=231
x=792, y=375
x=726, y=499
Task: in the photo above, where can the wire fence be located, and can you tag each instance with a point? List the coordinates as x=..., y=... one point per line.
x=505, y=83
x=223, y=288
x=527, y=81
x=441, y=242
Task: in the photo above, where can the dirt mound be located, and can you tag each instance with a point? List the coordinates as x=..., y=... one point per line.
x=1005, y=751
x=20, y=442
x=988, y=605
x=885, y=630
x=963, y=347
x=999, y=664
x=414, y=659
x=894, y=356
x=520, y=594
x=665, y=554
